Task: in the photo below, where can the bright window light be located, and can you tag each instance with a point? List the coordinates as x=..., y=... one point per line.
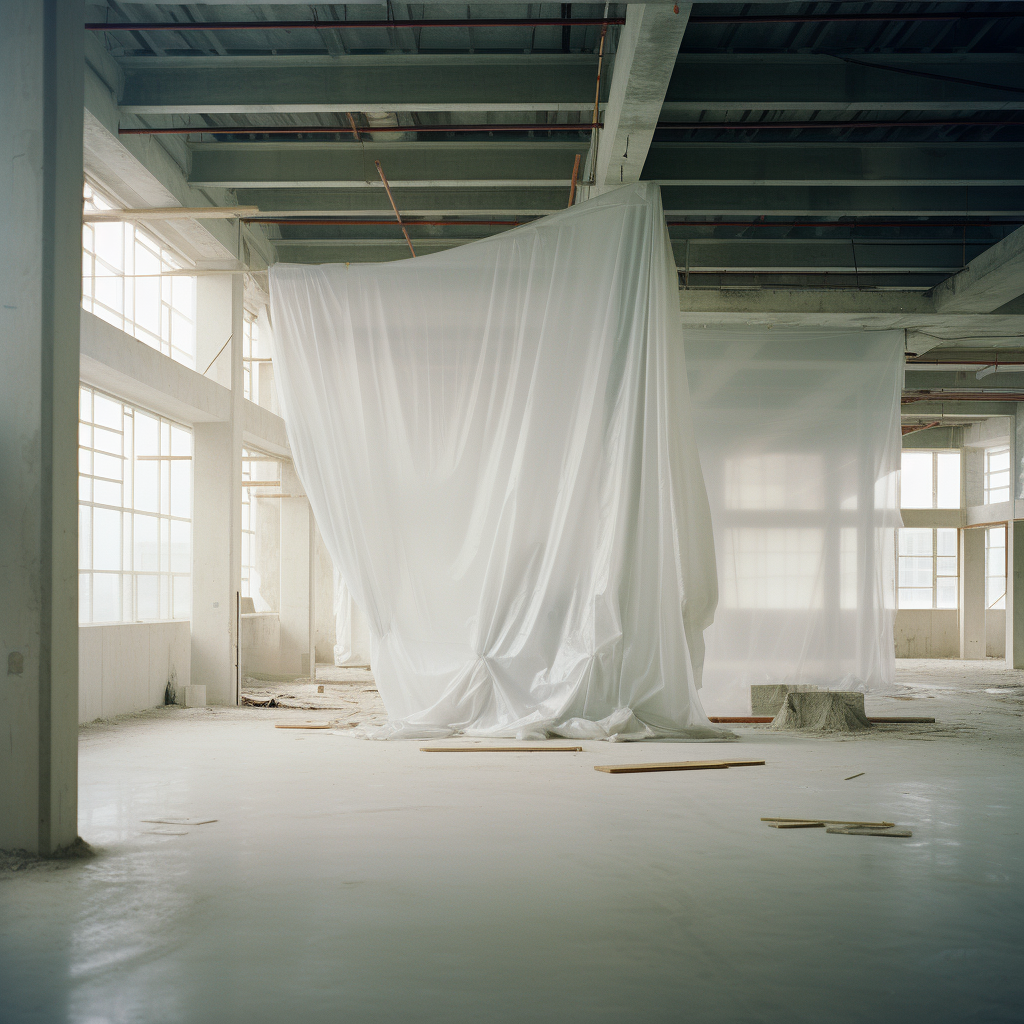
x=125, y=282
x=256, y=467
x=927, y=569
x=995, y=567
x=772, y=568
x=930, y=479
x=997, y=475
x=134, y=513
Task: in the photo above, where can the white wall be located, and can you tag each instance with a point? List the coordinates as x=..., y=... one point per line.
x=925, y=633
x=125, y=666
x=261, y=644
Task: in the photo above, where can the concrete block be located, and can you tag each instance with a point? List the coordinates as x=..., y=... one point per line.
x=767, y=698
x=195, y=695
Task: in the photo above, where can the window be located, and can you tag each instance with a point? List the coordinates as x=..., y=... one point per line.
x=126, y=281
x=997, y=475
x=927, y=568
x=995, y=567
x=250, y=338
x=134, y=513
x=261, y=475
x=930, y=479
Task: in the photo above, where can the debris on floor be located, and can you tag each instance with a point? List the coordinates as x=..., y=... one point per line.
x=822, y=711
x=302, y=725
x=857, y=776
x=670, y=766
x=178, y=821
x=898, y=833
x=833, y=821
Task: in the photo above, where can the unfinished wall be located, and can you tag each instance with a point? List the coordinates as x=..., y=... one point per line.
x=995, y=633
x=126, y=666
x=261, y=643
x=927, y=633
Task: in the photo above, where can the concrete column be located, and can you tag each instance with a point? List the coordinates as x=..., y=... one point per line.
x=41, y=81
x=217, y=489
x=972, y=593
x=296, y=584
x=1015, y=594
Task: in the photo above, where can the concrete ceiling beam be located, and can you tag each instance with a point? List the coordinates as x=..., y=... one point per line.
x=418, y=164
x=644, y=63
x=818, y=82
x=282, y=165
x=991, y=280
x=835, y=164
x=374, y=84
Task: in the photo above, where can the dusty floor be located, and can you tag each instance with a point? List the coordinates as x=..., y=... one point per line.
x=347, y=880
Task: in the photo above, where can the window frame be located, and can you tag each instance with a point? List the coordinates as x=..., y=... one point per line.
x=935, y=574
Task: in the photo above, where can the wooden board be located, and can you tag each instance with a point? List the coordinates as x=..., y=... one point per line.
x=670, y=766
x=835, y=821
x=308, y=725
x=796, y=824
x=901, y=721
x=502, y=750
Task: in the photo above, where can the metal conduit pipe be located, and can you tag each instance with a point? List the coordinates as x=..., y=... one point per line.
x=264, y=26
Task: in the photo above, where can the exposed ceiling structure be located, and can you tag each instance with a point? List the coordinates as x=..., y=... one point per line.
x=844, y=163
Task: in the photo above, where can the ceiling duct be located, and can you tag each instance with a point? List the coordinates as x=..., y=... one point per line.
x=385, y=119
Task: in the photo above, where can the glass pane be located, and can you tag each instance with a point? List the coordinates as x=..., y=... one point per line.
x=915, y=572
x=948, y=480
x=106, y=546
x=106, y=440
x=945, y=593
x=106, y=597
x=916, y=542
x=945, y=542
x=181, y=546
x=106, y=493
x=146, y=476
x=147, y=433
x=84, y=537
x=181, y=489
x=109, y=466
x=916, y=480
x=915, y=598
x=146, y=547
x=147, y=303
x=147, y=597
x=84, y=609
x=109, y=238
x=107, y=412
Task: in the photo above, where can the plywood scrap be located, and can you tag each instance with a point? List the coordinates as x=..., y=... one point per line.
x=493, y=750
x=896, y=833
x=834, y=821
x=670, y=766
x=304, y=725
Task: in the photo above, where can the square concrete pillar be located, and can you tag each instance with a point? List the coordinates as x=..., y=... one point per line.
x=217, y=495
x=972, y=593
x=298, y=535
x=41, y=83
x=1015, y=594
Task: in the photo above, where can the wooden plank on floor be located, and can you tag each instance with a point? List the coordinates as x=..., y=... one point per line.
x=307, y=725
x=833, y=821
x=670, y=766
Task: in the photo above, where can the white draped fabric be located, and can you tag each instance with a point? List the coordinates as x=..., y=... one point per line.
x=496, y=442
x=799, y=438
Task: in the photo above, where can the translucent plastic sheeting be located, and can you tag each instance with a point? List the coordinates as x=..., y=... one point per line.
x=799, y=437
x=496, y=442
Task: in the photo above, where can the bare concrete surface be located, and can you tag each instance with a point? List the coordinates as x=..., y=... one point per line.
x=351, y=880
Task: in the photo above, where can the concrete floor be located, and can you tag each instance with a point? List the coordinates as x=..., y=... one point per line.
x=347, y=880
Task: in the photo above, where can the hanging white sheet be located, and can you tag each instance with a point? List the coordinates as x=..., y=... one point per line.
x=496, y=442
x=799, y=438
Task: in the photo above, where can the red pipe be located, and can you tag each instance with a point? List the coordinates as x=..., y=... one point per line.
x=241, y=26
x=962, y=396
x=320, y=129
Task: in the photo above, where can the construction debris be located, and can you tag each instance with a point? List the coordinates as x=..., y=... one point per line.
x=824, y=711
x=896, y=833
x=857, y=776
x=834, y=821
x=670, y=766
x=306, y=725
